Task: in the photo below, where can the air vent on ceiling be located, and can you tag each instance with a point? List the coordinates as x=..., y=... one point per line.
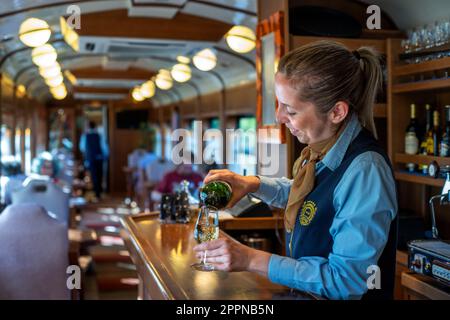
x=154, y=47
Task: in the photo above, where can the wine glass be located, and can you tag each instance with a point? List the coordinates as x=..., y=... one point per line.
x=206, y=229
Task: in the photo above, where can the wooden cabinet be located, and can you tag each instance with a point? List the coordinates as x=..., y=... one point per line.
x=419, y=83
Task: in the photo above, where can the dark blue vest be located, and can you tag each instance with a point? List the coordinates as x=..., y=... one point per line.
x=93, y=147
x=312, y=236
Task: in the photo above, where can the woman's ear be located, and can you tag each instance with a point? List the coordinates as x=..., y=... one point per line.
x=339, y=112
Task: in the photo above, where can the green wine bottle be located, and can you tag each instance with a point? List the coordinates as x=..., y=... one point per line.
x=216, y=194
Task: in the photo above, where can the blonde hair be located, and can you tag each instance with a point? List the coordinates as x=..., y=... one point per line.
x=325, y=72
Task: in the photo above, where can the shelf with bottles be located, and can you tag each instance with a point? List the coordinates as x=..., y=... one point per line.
x=402, y=160
x=420, y=159
x=417, y=177
x=422, y=85
x=422, y=67
x=420, y=71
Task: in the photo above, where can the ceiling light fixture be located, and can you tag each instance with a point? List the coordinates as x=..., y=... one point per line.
x=34, y=32
x=50, y=71
x=55, y=81
x=241, y=39
x=183, y=59
x=164, y=80
x=181, y=72
x=205, y=60
x=136, y=94
x=148, y=89
x=59, y=92
x=44, y=56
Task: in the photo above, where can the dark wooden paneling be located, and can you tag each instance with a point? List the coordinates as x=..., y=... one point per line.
x=210, y=105
x=188, y=108
x=241, y=100
x=100, y=73
x=117, y=23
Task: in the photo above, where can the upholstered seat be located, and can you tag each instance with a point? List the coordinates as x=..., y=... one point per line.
x=47, y=194
x=33, y=254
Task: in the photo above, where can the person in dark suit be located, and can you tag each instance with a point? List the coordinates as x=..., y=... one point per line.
x=92, y=146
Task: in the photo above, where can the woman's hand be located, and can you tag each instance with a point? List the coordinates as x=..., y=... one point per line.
x=241, y=185
x=229, y=255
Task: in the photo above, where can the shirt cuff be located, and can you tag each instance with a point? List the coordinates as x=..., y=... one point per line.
x=280, y=269
x=265, y=187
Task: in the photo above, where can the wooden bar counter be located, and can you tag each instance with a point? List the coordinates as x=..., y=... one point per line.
x=163, y=254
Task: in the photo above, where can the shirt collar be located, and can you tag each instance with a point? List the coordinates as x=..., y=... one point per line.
x=334, y=157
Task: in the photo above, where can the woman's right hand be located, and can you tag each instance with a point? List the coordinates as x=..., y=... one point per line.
x=241, y=185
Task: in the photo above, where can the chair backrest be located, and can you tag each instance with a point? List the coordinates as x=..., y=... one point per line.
x=33, y=254
x=44, y=193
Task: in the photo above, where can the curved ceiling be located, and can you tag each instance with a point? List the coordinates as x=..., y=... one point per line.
x=124, y=43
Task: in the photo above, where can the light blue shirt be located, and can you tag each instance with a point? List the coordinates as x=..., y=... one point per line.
x=365, y=202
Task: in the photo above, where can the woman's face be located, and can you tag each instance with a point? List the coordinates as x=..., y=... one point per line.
x=300, y=117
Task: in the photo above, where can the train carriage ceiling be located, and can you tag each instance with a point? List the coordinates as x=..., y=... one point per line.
x=125, y=42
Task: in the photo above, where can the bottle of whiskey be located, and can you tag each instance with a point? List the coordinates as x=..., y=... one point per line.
x=445, y=141
x=436, y=133
x=426, y=146
x=411, y=137
x=215, y=194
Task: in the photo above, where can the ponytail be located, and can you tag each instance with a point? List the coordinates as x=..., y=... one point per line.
x=373, y=77
x=325, y=72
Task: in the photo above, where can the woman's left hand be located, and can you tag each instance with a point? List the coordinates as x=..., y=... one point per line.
x=225, y=254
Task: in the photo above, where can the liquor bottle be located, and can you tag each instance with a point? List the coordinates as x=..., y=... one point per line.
x=445, y=141
x=216, y=194
x=436, y=133
x=411, y=137
x=426, y=146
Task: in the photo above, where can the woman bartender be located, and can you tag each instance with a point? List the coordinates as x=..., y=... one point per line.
x=341, y=206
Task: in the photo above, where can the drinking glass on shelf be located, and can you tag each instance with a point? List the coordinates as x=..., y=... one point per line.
x=206, y=229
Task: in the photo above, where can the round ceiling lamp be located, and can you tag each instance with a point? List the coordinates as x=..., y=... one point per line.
x=55, y=81
x=241, y=39
x=21, y=91
x=59, y=92
x=183, y=59
x=50, y=71
x=44, y=56
x=136, y=94
x=205, y=60
x=164, y=80
x=181, y=72
x=147, y=89
x=34, y=32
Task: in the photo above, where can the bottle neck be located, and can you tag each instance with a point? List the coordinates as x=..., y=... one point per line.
x=413, y=112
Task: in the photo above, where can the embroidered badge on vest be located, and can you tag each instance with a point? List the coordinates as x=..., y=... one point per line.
x=308, y=212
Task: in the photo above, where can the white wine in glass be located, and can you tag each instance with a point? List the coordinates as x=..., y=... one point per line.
x=206, y=229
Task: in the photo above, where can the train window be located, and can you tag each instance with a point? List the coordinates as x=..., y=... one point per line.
x=27, y=151
x=244, y=152
x=212, y=144
x=158, y=141
x=17, y=141
x=61, y=124
x=6, y=141
x=167, y=142
x=214, y=123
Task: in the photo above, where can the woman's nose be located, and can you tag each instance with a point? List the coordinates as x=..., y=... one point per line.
x=280, y=115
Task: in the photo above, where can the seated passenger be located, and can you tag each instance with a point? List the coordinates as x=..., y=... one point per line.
x=171, y=180
x=12, y=178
